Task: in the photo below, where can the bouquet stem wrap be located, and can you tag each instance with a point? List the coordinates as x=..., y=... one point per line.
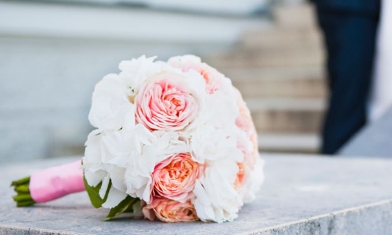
x=56, y=182
x=49, y=184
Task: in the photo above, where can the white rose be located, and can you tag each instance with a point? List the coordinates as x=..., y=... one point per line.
x=111, y=108
x=215, y=196
x=215, y=133
x=92, y=161
x=136, y=71
x=209, y=143
x=96, y=171
x=220, y=111
x=111, y=155
x=254, y=182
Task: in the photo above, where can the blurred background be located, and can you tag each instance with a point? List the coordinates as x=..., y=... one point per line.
x=53, y=52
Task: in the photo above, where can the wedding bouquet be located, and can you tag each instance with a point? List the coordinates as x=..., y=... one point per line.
x=173, y=140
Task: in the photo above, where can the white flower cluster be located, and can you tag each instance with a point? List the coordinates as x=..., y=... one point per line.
x=173, y=133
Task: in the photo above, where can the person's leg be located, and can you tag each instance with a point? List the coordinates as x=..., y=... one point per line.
x=350, y=43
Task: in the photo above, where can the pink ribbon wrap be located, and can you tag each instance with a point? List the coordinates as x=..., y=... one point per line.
x=56, y=182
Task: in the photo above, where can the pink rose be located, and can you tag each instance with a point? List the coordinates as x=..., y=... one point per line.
x=214, y=79
x=252, y=158
x=244, y=167
x=244, y=122
x=241, y=175
x=170, y=211
x=175, y=177
x=165, y=102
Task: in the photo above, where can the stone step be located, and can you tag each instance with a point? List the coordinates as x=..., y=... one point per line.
x=299, y=16
x=282, y=38
x=288, y=142
x=287, y=115
x=294, y=104
x=296, y=82
x=281, y=121
x=255, y=58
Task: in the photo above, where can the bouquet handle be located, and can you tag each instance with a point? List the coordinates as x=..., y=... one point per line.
x=49, y=184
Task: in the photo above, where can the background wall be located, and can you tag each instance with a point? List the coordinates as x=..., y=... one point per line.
x=52, y=55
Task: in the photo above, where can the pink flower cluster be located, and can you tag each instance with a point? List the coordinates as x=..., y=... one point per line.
x=173, y=181
x=178, y=136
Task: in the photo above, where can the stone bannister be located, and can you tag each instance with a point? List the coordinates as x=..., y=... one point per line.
x=301, y=195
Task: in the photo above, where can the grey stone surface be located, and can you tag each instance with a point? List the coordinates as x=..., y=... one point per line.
x=375, y=140
x=301, y=195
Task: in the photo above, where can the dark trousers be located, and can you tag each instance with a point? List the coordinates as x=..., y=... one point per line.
x=350, y=42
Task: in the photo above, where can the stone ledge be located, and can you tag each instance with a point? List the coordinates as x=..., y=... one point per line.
x=289, y=142
x=301, y=195
x=341, y=222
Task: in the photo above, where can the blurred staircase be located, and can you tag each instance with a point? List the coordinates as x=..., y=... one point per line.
x=280, y=74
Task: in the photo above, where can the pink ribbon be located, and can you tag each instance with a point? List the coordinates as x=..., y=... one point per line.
x=56, y=182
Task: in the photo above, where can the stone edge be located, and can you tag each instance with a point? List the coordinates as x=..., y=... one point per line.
x=325, y=224
x=14, y=230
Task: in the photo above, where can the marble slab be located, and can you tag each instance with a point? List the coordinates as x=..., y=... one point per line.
x=301, y=195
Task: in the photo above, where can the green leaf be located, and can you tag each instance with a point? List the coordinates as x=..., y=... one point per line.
x=93, y=193
x=137, y=209
x=125, y=205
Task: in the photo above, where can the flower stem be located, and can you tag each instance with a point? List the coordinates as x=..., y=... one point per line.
x=22, y=189
x=23, y=197
x=25, y=180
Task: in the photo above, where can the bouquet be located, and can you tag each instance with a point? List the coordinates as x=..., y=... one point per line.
x=174, y=141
